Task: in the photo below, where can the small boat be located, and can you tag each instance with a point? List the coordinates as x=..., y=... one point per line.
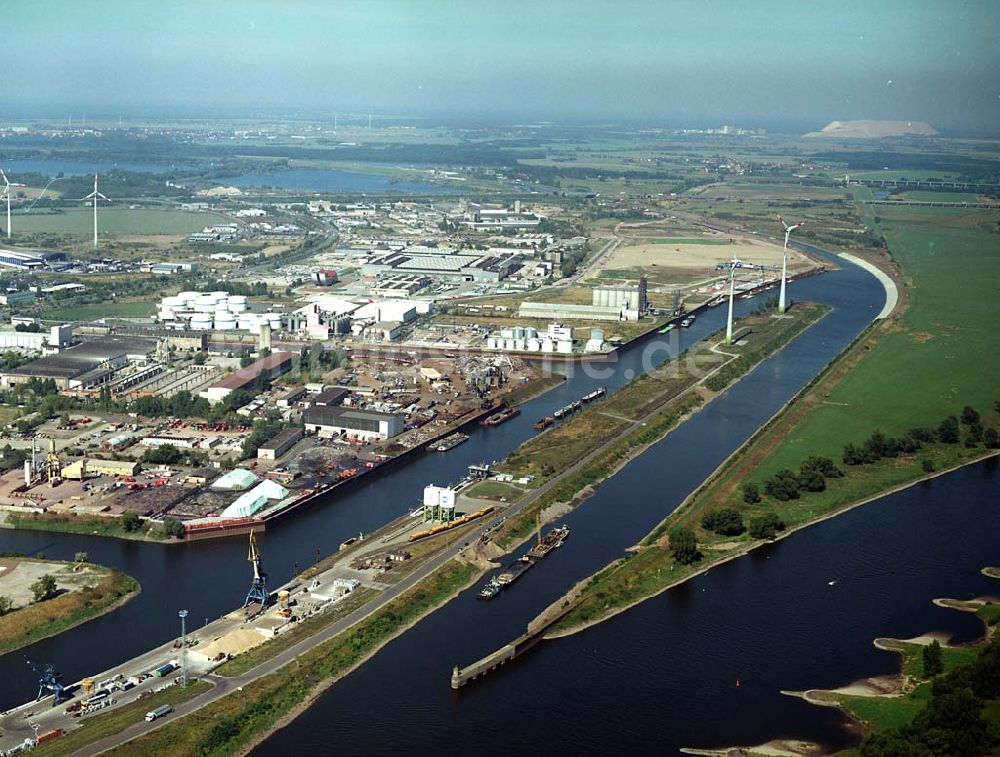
x=544, y=423
x=667, y=329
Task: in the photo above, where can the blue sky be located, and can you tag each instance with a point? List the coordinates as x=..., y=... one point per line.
x=674, y=61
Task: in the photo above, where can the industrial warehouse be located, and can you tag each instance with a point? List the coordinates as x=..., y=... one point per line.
x=86, y=365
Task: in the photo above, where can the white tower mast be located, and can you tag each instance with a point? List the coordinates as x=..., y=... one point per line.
x=784, y=261
x=95, y=196
x=6, y=194
x=732, y=287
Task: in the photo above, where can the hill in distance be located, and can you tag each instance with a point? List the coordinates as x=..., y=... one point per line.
x=874, y=129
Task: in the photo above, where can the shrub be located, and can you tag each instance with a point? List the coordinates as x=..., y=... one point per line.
x=684, y=546
x=727, y=521
x=751, y=494
x=783, y=486
x=947, y=432
x=131, y=521
x=927, y=465
x=970, y=416
x=991, y=438
x=766, y=526
x=822, y=465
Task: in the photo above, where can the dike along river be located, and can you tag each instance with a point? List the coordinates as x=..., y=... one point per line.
x=410, y=678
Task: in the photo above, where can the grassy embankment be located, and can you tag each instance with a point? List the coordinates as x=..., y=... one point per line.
x=39, y=620
x=233, y=722
x=117, y=720
x=85, y=524
x=938, y=356
x=640, y=414
x=532, y=389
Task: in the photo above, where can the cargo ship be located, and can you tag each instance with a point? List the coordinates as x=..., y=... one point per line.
x=502, y=417
x=449, y=442
x=500, y=581
x=687, y=321
x=544, y=423
x=595, y=395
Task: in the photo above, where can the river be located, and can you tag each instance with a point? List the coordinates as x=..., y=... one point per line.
x=325, y=180
x=209, y=578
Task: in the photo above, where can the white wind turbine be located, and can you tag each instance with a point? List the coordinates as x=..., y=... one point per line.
x=732, y=285
x=6, y=196
x=784, y=261
x=95, y=196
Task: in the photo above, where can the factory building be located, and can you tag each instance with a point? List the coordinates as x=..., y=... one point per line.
x=282, y=442
x=481, y=218
x=17, y=298
x=272, y=366
x=26, y=260
x=608, y=303
x=402, y=285
x=80, y=469
x=85, y=366
x=438, y=264
x=54, y=339
x=365, y=425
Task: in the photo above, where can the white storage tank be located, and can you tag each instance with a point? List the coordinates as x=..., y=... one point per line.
x=507, y=333
x=201, y=322
x=534, y=344
x=165, y=314
x=223, y=323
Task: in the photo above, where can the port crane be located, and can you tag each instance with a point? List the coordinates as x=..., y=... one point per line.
x=258, y=588
x=48, y=680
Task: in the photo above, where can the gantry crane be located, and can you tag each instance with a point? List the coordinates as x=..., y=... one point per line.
x=258, y=588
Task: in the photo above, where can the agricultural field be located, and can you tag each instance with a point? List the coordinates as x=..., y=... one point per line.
x=945, y=346
x=115, y=221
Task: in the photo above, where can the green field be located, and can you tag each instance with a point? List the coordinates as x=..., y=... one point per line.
x=117, y=221
x=944, y=355
x=106, y=310
x=922, y=195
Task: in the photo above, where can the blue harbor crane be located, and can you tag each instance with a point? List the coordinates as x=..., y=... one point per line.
x=258, y=590
x=48, y=680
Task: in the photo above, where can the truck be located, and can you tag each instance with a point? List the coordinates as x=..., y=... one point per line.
x=166, y=669
x=159, y=712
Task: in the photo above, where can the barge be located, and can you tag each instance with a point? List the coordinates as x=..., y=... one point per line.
x=502, y=417
x=449, y=442
x=500, y=581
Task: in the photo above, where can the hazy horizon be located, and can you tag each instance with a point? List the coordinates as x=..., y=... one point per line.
x=679, y=63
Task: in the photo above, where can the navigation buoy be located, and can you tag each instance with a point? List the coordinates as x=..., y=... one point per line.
x=738, y=684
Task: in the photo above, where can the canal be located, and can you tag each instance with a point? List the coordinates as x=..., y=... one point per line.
x=210, y=578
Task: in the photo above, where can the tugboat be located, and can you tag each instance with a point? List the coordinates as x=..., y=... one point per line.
x=491, y=589
x=544, y=423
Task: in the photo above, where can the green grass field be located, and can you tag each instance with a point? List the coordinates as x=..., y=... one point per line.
x=107, y=310
x=946, y=353
x=116, y=221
